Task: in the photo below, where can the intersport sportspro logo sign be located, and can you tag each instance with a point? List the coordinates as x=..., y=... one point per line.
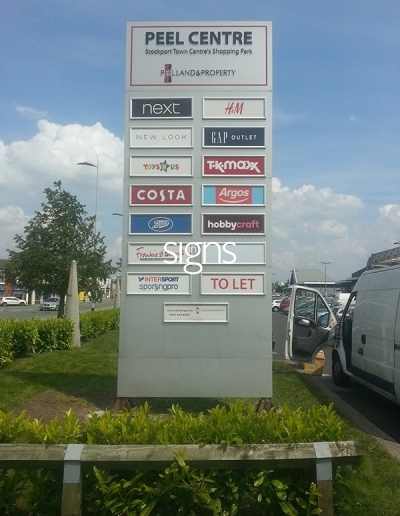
x=234, y=166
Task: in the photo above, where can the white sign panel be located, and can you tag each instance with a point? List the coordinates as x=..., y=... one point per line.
x=145, y=254
x=160, y=166
x=233, y=284
x=195, y=313
x=159, y=137
x=231, y=108
x=249, y=253
x=199, y=55
x=149, y=283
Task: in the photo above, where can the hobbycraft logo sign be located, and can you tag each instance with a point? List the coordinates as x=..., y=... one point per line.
x=234, y=166
x=199, y=55
x=248, y=224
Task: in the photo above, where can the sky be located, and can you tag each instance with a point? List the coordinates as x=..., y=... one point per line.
x=336, y=125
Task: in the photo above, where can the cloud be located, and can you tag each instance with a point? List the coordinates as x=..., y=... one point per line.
x=30, y=112
x=309, y=224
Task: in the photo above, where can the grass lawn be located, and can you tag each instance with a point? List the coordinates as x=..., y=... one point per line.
x=86, y=378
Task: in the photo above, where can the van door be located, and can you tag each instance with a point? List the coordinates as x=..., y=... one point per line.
x=311, y=324
x=397, y=353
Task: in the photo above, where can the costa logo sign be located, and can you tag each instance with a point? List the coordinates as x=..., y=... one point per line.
x=161, y=108
x=175, y=224
x=234, y=166
x=234, y=137
x=174, y=195
x=234, y=195
x=221, y=224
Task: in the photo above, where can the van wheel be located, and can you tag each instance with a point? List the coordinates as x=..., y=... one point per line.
x=339, y=377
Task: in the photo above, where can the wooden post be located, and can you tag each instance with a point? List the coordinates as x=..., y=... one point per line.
x=324, y=477
x=71, y=503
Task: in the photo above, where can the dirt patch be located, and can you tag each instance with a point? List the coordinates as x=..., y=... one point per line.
x=48, y=405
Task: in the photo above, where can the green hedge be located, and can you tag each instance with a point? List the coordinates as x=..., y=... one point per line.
x=20, y=338
x=177, y=489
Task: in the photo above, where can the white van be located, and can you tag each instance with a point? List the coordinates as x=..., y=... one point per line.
x=366, y=346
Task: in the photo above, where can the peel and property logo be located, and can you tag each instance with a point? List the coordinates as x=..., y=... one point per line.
x=234, y=166
x=168, y=72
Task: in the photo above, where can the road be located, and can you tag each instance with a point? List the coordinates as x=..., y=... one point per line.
x=27, y=312
x=382, y=413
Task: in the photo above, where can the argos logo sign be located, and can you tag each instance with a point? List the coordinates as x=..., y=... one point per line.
x=234, y=195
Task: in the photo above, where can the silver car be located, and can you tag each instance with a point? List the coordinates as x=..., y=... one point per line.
x=51, y=303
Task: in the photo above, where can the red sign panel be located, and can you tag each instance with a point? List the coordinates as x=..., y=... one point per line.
x=153, y=195
x=253, y=166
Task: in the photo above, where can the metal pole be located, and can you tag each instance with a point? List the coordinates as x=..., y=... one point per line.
x=96, y=201
x=325, y=264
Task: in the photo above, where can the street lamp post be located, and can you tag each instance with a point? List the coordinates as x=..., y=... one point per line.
x=325, y=264
x=87, y=163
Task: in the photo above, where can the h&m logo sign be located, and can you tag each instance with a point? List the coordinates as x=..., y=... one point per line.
x=161, y=108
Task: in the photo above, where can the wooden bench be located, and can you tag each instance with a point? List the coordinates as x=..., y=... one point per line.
x=73, y=458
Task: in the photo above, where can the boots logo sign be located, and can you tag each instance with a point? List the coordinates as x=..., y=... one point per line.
x=153, y=195
x=234, y=166
x=161, y=108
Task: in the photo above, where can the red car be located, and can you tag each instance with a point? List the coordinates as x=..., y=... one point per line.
x=285, y=303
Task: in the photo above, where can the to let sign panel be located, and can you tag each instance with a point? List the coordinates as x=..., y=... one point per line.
x=233, y=284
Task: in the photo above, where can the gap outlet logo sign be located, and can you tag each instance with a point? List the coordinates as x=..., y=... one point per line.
x=240, y=166
x=161, y=108
x=234, y=195
x=234, y=137
x=226, y=224
x=174, y=224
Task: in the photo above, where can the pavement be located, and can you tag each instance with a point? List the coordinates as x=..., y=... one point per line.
x=390, y=445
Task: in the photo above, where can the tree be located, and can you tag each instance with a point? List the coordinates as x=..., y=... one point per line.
x=59, y=233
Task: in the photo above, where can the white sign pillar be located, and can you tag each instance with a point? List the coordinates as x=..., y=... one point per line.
x=196, y=266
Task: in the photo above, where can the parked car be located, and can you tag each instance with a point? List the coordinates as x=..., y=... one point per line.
x=11, y=300
x=275, y=304
x=285, y=303
x=51, y=303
